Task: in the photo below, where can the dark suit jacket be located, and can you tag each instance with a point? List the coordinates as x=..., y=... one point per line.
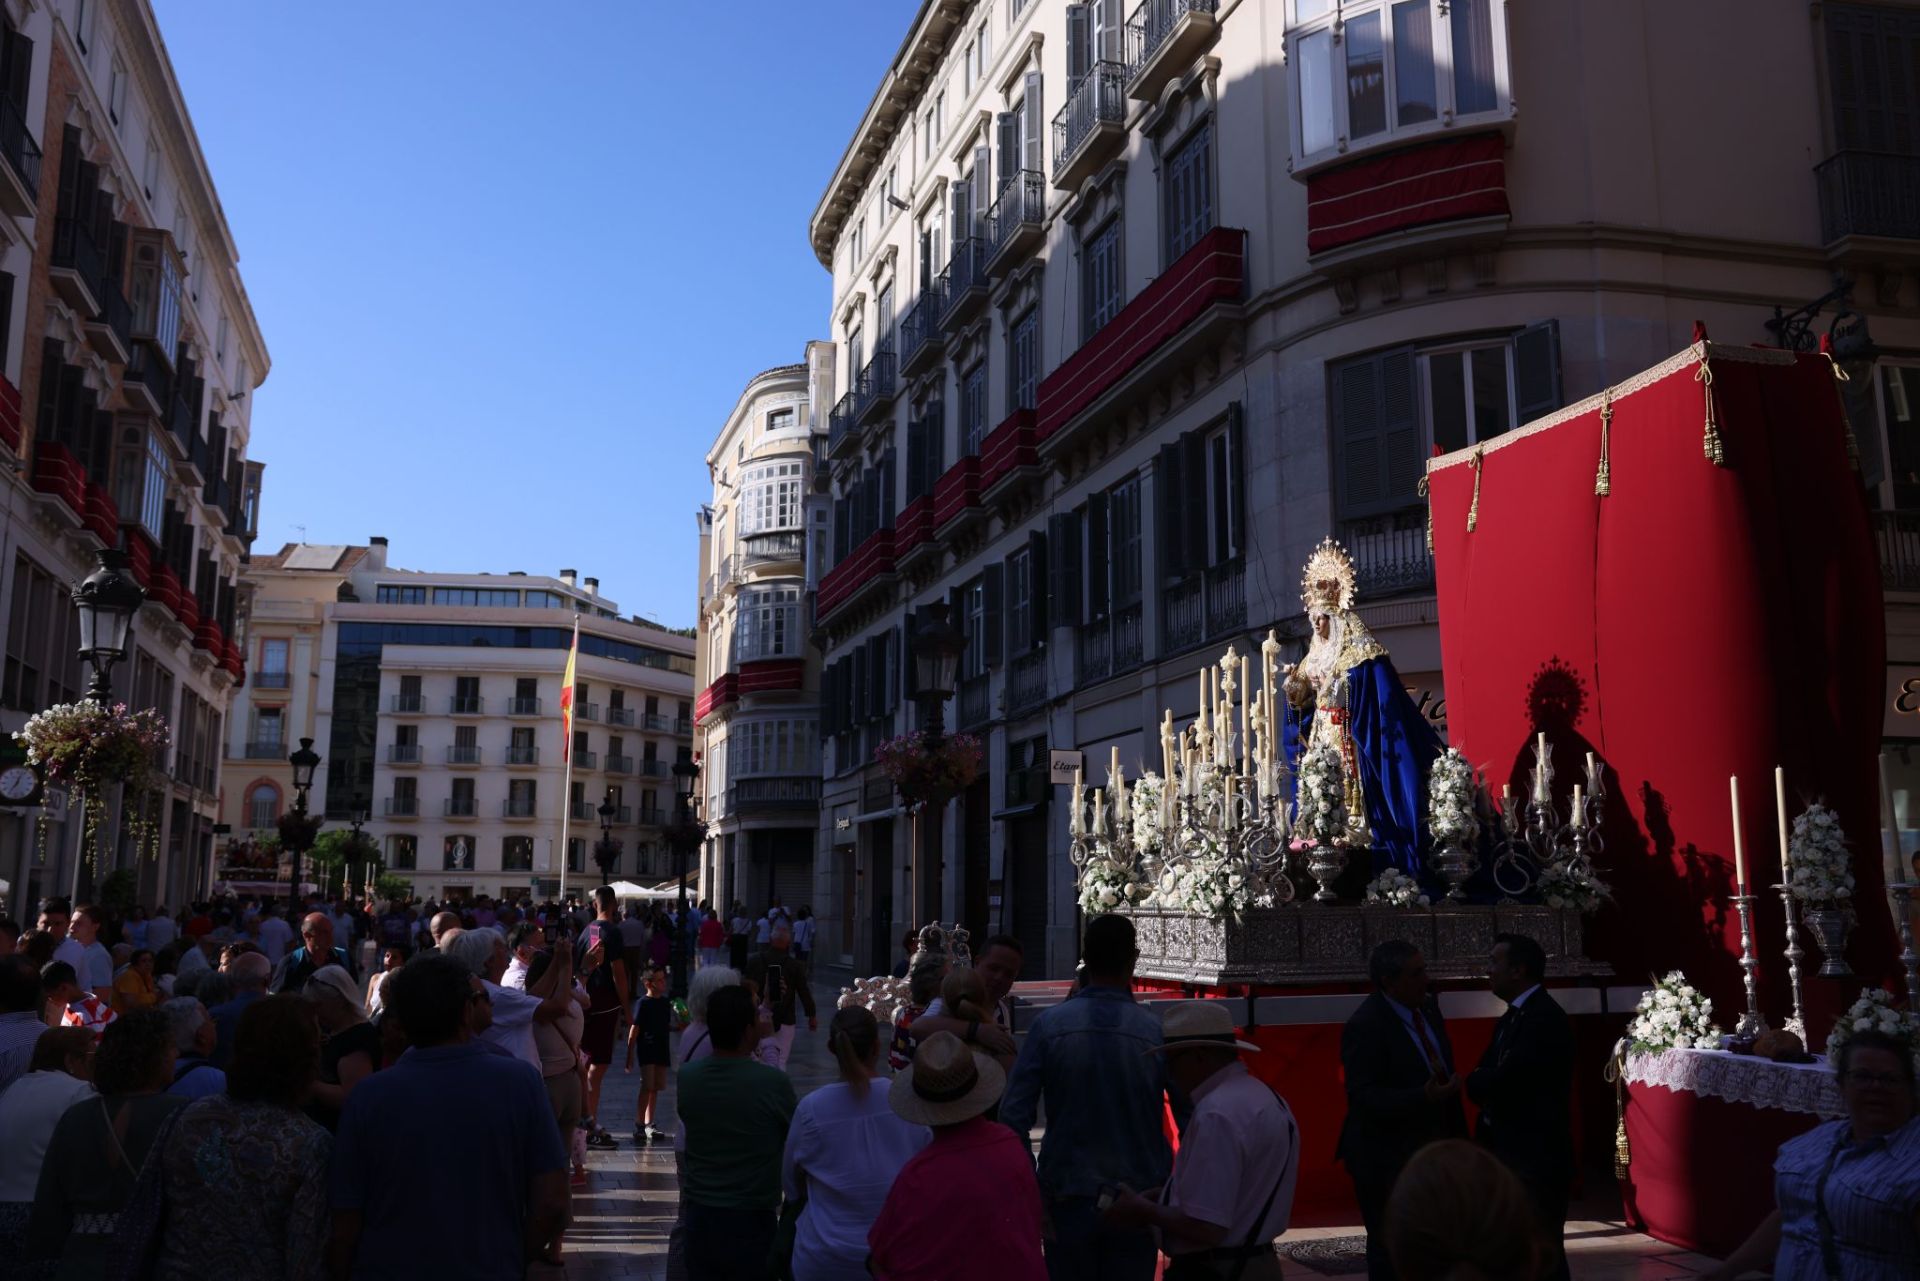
x=1389, y=1117
x=1523, y=1088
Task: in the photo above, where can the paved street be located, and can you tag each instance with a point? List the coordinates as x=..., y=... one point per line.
x=622, y=1218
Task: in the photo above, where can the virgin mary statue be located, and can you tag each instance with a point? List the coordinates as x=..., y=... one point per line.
x=1345, y=692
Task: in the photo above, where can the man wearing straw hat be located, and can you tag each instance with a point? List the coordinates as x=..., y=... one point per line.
x=1231, y=1192
x=969, y=1199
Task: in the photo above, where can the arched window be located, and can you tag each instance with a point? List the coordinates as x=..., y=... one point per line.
x=263, y=805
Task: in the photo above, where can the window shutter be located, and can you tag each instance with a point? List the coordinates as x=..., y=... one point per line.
x=1007, y=130
x=926, y=262
x=982, y=198
x=1193, y=510
x=859, y=678
x=1237, y=494
x=1035, y=124
x=993, y=590
x=1079, y=44
x=1169, y=484
x=889, y=489
x=840, y=529
x=1037, y=584
x=16, y=63
x=1098, y=598
x=1536, y=371
x=960, y=219
x=916, y=458
x=1400, y=414
x=909, y=675
x=896, y=664
x=1063, y=577
x=1108, y=19
x=936, y=439
x=1360, y=470
x=70, y=159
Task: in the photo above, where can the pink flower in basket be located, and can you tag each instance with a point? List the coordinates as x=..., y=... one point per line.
x=927, y=772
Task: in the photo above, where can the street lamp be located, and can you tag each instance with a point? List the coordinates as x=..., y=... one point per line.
x=297, y=830
x=356, y=848
x=937, y=646
x=607, y=852
x=106, y=600
x=685, y=836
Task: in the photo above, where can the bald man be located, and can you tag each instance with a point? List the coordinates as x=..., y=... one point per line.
x=441, y=924
x=249, y=973
x=316, y=934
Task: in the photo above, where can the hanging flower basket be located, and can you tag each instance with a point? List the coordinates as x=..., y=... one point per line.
x=89, y=746
x=925, y=772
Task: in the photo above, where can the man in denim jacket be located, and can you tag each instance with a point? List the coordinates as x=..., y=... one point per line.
x=1089, y=1059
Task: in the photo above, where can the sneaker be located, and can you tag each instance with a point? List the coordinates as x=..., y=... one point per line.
x=601, y=1141
x=579, y=1179
x=655, y=1135
x=642, y=1134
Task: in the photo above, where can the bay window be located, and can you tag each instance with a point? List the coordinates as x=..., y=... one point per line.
x=770, y=498
x=773, y=747
x=1373, y=72
x=769, y=624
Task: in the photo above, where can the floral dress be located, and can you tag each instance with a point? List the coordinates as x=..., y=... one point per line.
x=246, y=1193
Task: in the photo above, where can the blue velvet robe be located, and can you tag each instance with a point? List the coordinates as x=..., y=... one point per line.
x=1396, y=747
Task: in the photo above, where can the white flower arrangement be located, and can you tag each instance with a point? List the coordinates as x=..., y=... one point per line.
x=1209, y=885
x=1821, y=870
x=1568, y=884
x=1106, y=886
x=1144, y=805
x=1322, y=813
x=1394, y=888
x=1873, y=1012
x=1673, y=1015
x=1450, y=800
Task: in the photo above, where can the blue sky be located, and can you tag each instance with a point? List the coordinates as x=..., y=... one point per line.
x=514, y=262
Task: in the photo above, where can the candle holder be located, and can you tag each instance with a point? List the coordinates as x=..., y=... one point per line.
x=1798, y=1023
x=1595, y=807
x=1831, y=928
x=1751, y=1023
x=1902, y=892
x=1513, y=867
x=1455, y=863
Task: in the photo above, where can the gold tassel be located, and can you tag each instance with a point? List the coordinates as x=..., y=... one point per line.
x=1425, y=491
x=1603, y=476
x=1473, y=512
x=1853, y=445
x=1622, y=1150
x=1715, y=450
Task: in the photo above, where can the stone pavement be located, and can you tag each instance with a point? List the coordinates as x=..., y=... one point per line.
x=621, y=1219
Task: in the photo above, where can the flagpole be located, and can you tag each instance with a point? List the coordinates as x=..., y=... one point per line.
x=566, y=754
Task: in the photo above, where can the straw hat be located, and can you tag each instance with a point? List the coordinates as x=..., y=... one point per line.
x=1191, y=1025
x=336, y=980
x=949, y=1083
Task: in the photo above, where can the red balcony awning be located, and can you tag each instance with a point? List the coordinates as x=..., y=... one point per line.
x=956, y=491
x=1008, y=446
x=914, y=525
x=771, y=675
x=868, y=561
x=1433, y=182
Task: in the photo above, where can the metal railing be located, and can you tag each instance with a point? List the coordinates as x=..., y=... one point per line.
x=619, y=764
x=620, y=716
x=1182, y=622
x=403, y=753
x=1096, y=652
x=18, y=146
x=795, y=792
x=657, y=722
x=1226, y=598
x=463, y=754
x=1022, y=202
x=523, y=707
x=875, y=383
x=1129, y=637
x=1026, y=682
x=974, y=706
x=683, y=725
x=146, y=369
x=840, y=423
x=461, y=807
x=115, y=310
x=465, y=705
x=966, y=273
x=400, y=806
x=519, y=807
x=74, y=249
x=1898, y=536
x=586, y=809
x=407, y=704
x=1100, y=98
x=267, y=749
x=770, y=549
x=523, y=755
x=1869, y=193
x=586, y=711
x=921, y=323
x=1206, y=606
x=272, y=680
x=1390, y=555
x=653, y=767
x=583, y=759
x=652, y=816
x=1150, y=26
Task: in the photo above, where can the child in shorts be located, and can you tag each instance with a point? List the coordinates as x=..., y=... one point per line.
x=649, y=1035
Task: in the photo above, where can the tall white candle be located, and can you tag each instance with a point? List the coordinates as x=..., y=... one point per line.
x=1739, y=852
x=1540, y=790
x=1780, y=807
x=1579, y=807
x=1099, y=813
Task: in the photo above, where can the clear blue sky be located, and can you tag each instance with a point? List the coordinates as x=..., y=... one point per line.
x=514, y=262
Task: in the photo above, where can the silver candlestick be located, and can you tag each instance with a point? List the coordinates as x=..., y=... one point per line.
x=1798, y=1023
x=1751, y=1024
x=1902, y=892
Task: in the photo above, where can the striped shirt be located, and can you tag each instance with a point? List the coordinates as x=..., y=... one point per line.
x=88, y=1012
x=1868, y=1193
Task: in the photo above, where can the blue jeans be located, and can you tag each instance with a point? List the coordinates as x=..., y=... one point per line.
x=730, y=1244
x=1085, y=1247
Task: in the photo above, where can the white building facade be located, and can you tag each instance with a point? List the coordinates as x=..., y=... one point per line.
x=1133, y=306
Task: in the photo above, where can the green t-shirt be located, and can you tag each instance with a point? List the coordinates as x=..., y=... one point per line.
x=735, y=1113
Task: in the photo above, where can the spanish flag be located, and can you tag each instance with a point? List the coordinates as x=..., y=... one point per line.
x=566, y=694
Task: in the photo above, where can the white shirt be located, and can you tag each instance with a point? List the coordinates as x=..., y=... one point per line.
x=1521, y=999
x=276, y=936
x=516, y=975
x=803, y=934
x=843, y=1151
x=29, y=1109
x=762, y=931
x=1240, y=1143
x=512, y=1028
x=99, y=964
x=69, y=950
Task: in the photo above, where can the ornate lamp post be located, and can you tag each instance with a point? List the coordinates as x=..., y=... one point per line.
x=297, y=830
x=106, y=600
x=606, y=851
x=357, y=851
x=685, y=836
x=937, y=646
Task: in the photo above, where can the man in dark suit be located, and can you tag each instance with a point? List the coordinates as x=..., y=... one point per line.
x=1523, y=1087
x=1402, y=1090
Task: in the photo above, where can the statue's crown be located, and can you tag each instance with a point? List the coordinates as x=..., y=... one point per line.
x=1327, y=585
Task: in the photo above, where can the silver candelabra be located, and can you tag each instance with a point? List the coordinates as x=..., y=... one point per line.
x=1751, y=1023
x=1902, y=892
x=1797, y=1024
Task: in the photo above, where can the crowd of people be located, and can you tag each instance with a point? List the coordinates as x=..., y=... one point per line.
x=232, y=1093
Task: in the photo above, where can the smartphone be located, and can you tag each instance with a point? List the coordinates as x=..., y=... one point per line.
x=1104, y=1199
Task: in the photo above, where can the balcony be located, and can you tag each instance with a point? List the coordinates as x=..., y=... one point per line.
x=523, y=707
x=407, y=704
x=1898, y=535
x=798, y=793
x=461, y=807
x=619, y=764
x=519, y=755
x=974, y=705
x=869, y=569
x=1390, y=556
x=873, y=390
x=1111, y=645
x=1008, y=456
x=519, y=807
x=620, y=716
x=146, y=384
x=652, y=767
x=78, y=272
x=464, y=754
x=1870, y=194
x=767, y=551
x=913, y=539
x=586, y=810
x=724, y=692
x=841, y=435
x=964, y=283
x=20, y=180
x=652, y=816
x=584, y=759
x=465, y=705
x=683, y=726
x=272, y=680
x=1026, y=682
x=1016, y=222
x=656, y=722
x=267, y=749
x=1207, y=606
x=956, y=497
x=400, y=807
x=1162, y=38
x=111, y=333
x=403, y=753
x=1091, y=126
x=921, y=338
x=586, y=711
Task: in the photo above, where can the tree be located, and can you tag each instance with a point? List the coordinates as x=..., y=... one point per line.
x=336, y=852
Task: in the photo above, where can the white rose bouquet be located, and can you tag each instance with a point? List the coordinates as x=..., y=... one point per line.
x=1322, y=815
x=1394, y=888
x=1106, y=886
x=1450, y=800
x=1874, y=1012
x=1673, y=1015
x=1567, y=884
x=1144, y=806
x=1822, y=870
